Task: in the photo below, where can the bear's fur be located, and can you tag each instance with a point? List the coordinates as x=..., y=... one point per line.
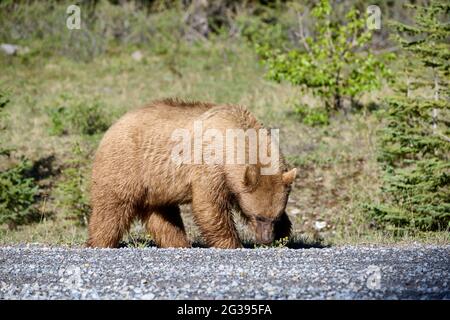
x=133, y=176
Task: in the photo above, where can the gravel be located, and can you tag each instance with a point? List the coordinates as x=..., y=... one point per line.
x=400, y=272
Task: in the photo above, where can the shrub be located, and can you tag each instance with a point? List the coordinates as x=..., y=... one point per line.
x=72, y=190
x=266, y=30
x=4, y=100
x=89, y=119
x=312, y=116
x=331, y=63
x=18, y=192
x=78, y=117
x=17, y=195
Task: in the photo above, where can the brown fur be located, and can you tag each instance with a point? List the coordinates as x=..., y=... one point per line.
x=134, y=177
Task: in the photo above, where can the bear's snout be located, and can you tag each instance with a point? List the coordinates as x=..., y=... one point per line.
x=264, y=232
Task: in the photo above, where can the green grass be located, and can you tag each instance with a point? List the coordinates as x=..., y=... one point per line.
x=337, y=165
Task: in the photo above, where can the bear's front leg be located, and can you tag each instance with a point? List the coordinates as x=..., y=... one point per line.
x=283, y=227
x=214, y=219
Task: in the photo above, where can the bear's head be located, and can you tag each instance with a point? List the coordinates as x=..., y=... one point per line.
x=262, y=200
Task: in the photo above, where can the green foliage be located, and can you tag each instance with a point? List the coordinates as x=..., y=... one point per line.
x=4, y=100
x=74, y=116
x=418, y=197
x=408, y=132
x=267, y=30
x=41, y=26
x=72, y=190
x=17, y=195
x=17, y=191
x=279, y=243
x=428, y=38
x=415, y=143
x=312, y=116
x=331, y=63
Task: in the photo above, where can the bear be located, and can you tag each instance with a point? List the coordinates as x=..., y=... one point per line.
x=139, y=172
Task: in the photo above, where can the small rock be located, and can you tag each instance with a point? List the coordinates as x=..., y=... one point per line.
x=137, y=55
x=148, y=296
x=9, y=49
x=319, y=225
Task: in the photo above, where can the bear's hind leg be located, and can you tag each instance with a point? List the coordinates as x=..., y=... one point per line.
x=108, y=223
x=167, y=228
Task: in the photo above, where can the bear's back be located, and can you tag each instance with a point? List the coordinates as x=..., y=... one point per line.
x=136, y=151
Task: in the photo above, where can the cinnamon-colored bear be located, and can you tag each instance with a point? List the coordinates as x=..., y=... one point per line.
x=135, y=176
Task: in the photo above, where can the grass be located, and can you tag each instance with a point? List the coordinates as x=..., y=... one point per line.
x=338, y=171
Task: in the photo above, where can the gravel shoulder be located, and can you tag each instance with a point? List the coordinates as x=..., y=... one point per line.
x=356, y=272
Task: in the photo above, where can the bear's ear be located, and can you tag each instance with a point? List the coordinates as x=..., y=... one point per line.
x=251, y=176
x=288, y=177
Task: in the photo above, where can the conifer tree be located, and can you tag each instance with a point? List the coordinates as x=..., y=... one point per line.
x=415, y=142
